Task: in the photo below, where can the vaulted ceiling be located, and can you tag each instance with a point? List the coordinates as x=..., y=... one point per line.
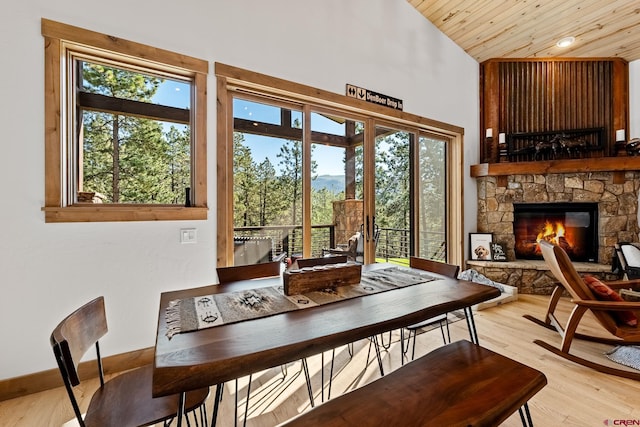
x=530, y=28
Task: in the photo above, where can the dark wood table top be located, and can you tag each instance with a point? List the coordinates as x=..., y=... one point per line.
x=211, y=356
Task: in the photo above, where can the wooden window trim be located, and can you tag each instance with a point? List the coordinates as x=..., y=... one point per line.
x=58, y=205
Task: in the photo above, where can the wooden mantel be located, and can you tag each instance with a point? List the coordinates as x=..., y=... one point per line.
x=612, y=164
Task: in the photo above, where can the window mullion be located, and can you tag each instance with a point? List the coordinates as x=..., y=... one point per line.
x=110, y=104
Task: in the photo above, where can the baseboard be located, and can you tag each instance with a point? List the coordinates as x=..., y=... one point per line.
x=46, y=380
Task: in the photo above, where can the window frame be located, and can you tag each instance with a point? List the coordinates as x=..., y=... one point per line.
x=60, y=205
x=232, y=81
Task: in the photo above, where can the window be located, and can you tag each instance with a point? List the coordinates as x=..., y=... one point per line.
x=125, y=130
x=330, y=167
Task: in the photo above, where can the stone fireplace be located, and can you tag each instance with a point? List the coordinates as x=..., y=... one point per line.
x=614, y=193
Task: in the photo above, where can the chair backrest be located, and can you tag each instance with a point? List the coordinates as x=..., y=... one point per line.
x=72, y=338
x=312, y=262
x=445, y=269
x=563, y=269
x=246, y=272
x=78, y=332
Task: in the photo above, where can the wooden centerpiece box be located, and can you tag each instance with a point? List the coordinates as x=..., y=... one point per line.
x=317, y=278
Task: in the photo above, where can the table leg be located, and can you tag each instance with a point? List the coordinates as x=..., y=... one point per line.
x=181, y=402
x=216, y=404
x=307, y=377
x=333, y=359
x=473, y=334
x=376, y=346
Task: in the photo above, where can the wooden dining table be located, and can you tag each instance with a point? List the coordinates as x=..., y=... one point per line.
x=206, y=357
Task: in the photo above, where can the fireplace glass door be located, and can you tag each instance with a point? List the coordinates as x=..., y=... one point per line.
x=573, y=226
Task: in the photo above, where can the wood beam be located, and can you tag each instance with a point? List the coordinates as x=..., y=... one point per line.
x=288, y=132
x=110, y=104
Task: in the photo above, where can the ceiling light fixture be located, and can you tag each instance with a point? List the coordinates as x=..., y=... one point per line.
x=566, y=41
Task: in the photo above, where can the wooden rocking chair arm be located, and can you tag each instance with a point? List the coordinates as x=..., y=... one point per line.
x=609, y=305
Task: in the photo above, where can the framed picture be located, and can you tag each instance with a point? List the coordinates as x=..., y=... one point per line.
x=480, y=246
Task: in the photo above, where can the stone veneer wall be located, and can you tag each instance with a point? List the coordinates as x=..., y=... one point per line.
x=617, y=200
x=347, y=219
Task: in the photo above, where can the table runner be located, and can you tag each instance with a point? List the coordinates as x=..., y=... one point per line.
x=207, y=311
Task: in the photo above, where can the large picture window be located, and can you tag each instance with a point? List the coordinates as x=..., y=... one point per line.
x=303, y=172
x=125, y=130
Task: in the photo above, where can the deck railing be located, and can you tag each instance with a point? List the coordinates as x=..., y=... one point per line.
x=393, y=243
x=288, y=238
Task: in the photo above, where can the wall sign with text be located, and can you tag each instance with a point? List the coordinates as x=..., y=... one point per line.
x=373, y=97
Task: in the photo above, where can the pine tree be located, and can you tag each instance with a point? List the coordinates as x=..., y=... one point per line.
x=131, y=159
x=392, y=181
x=244, y=184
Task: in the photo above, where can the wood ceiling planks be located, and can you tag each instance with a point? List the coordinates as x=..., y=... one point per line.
x=529, y=29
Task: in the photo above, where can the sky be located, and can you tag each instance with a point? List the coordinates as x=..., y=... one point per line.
x=329, y=160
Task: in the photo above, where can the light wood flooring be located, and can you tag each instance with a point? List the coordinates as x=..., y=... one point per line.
x=574, y=396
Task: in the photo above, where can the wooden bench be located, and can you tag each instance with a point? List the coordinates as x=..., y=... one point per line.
x=460, y=384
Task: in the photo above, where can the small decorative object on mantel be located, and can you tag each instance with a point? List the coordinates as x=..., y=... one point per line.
x=555, y=145
x=480, y=246
x=497, y=252
x=633, y=147
x=502, y=147
x=321, y=277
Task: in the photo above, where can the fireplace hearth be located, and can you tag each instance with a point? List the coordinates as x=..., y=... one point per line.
x=573, y=226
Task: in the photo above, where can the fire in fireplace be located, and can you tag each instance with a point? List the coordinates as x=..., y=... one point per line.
x=573, y=226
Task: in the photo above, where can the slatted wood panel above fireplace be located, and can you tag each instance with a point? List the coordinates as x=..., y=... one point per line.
x=552, y=95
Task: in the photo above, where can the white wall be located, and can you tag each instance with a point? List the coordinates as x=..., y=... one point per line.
x=46, y=270
x=634, y=100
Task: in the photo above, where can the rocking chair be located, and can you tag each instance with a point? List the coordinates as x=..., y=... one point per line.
x=607, y=313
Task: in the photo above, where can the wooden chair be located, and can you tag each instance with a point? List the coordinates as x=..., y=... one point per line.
x=445, y=269
x=247, y=272
x=584, y=300
x=124, y=400
x=435, y=267
x=460, y=384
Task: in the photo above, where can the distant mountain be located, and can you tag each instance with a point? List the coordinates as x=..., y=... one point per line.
x=333, y=183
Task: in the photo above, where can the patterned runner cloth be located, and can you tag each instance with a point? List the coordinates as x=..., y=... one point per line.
x=206, y=311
